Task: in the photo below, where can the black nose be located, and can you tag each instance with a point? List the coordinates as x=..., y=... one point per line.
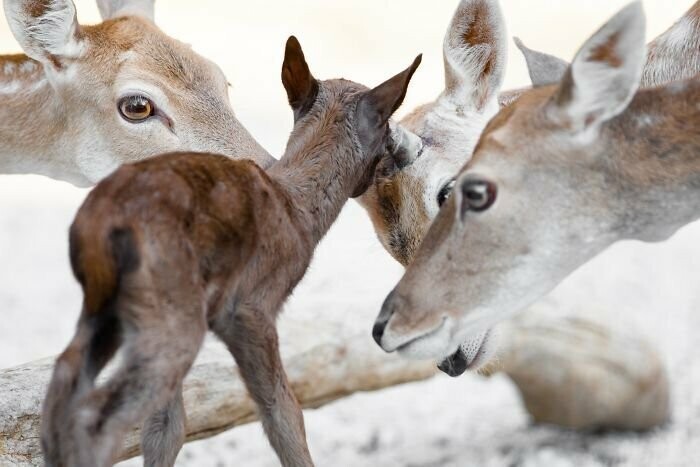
x=378, y=331
x=383, y=319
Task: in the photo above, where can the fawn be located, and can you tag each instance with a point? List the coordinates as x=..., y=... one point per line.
x=170, y=247
x=85, y=99
x=602, y=162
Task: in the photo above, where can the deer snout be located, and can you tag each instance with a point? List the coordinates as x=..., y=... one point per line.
x=406, y=325
x=383, y=319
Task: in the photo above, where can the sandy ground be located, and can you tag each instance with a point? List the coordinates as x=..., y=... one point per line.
x=470, y=421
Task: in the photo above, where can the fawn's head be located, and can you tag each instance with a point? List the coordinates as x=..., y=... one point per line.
x=127, y=91
x=438, y=138
x=531, y=206
x=356, y=116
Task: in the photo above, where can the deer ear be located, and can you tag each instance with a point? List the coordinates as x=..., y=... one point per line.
x=404, y=146
x=543, y=68
x=46, y=30
x=378, y=105
x=115, y=8
x=475, y=52
x=605, y=75
x=298, y=81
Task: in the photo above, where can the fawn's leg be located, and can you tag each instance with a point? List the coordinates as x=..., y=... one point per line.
x=251, y=336
x=94, y=344
x=158, y=354
x=163, y=433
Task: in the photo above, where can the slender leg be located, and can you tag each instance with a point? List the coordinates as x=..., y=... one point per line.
x=164, y=433
x=251, y=336
x=156, y=361
x=93, y=345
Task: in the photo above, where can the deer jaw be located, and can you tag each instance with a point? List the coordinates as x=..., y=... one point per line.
x=596, y=169
x=60, y=112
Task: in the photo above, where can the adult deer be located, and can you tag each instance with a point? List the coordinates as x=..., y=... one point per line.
x=171, y=246
x=439, y=138
x=85, y=99
x=602, y=163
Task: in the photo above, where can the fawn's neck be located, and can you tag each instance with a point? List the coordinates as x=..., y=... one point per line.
x=33, y=136
x=319, y=173
x=656, y=143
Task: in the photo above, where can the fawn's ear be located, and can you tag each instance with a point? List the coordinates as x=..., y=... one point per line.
x=47, y=30
x=115, y=8
x=377, y=105
x=475, y=52
x=604, y=76
x=543, y=68
x=300, y=84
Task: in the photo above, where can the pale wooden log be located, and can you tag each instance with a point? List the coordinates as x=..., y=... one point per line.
x=571, y=370
x=215, y=397
x=577, y=370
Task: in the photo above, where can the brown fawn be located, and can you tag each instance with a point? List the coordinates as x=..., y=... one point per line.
x=85, y=99
x=170, y=247
x=555, y=179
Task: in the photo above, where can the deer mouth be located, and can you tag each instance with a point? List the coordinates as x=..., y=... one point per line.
x=469, y=356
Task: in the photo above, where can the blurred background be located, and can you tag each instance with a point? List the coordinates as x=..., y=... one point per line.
x=470, y=421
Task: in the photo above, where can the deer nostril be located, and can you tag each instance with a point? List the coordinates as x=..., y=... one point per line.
x=378, y=331
x=383, y=319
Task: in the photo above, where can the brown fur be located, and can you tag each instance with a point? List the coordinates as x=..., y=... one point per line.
x=606, y=53
x=170, y=247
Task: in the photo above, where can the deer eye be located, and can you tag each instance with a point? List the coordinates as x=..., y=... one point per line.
x=478, y=195
x=445, y=192
x=136, y=108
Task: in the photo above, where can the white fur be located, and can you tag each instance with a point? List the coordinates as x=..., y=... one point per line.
x=52, y=34
x=600, y=90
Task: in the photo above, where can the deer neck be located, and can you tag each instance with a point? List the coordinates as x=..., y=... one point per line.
x=317, y=173
x=33, y=134
x=675, y=54
x=657, y=160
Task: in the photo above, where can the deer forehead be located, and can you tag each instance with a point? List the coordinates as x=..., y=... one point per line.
x=132, y=45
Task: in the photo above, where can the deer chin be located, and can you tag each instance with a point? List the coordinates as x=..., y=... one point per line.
x=471, y=355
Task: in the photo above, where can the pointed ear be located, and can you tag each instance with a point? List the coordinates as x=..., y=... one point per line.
x=475, y=52
x=378, y=105
x=543, y=68
x=46, y=30
x=404, y=146
x=115, y=8
x=605, y=75
x=300, y=84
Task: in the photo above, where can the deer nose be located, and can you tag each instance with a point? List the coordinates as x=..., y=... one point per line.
x=383, y=319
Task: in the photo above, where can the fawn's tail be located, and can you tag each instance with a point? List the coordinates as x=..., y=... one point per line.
x=101, y=252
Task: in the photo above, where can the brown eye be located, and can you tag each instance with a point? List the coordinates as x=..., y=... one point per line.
x=136, y=108
x=479, y=195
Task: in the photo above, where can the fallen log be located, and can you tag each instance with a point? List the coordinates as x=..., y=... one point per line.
x=570, y=371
